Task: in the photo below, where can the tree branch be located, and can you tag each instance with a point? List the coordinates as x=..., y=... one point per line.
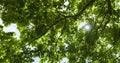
x=109, y=7
x=109, y=13
x=82, y=10
x=47, y=29
x=74, y=16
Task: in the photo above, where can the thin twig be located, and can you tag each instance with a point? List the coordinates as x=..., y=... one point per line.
x=82, y=10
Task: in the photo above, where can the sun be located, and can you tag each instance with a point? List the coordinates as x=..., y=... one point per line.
x=85, y=26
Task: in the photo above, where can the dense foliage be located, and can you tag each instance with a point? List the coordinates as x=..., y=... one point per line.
x=56, y=31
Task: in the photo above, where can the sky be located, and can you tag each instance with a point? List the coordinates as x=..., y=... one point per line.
x=12, y=28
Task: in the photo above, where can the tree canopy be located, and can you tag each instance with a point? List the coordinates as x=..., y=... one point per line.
x=80, y=30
